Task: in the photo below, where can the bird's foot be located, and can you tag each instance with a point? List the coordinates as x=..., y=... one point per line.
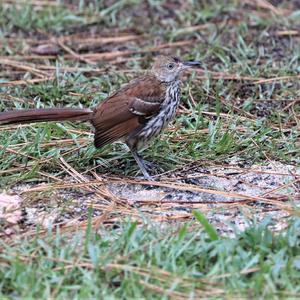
x=151, y=166
x=144, y=165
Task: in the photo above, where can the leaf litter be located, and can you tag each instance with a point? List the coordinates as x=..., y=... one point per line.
x=230, y=195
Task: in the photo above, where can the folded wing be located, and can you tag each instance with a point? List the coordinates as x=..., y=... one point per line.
x=127, y=109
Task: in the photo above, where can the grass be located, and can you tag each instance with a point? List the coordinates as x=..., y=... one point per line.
x=242, y=106
x=153, y=262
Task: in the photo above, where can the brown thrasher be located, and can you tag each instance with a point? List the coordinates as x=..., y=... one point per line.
x=134, y=114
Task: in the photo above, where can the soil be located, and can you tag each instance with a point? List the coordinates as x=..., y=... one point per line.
x=272, y=190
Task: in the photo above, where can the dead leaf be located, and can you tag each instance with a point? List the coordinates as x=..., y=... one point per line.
x=10, y=208
x=46, y=49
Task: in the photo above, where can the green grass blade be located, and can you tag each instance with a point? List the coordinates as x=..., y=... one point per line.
x=211, y=231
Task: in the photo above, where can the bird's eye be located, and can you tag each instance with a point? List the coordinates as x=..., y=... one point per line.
x=170, y=66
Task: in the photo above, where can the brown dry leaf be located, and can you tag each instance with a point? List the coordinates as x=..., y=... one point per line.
x=46, y=49
x=10, y=208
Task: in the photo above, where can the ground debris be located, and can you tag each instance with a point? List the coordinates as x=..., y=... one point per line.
x=10, y=213
x=230, y=196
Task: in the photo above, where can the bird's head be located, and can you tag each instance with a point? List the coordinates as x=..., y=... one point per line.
x=168, y=68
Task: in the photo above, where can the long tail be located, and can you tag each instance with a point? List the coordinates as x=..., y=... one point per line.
x=45, y=115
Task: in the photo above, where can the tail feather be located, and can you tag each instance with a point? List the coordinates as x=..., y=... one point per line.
x=45, y=115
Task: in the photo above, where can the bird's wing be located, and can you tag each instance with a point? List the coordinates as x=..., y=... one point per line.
x=127, y=109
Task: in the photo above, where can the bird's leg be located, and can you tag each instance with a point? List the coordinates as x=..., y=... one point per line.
x=142, y=164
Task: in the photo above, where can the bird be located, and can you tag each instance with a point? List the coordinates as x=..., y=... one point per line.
x=135, y=114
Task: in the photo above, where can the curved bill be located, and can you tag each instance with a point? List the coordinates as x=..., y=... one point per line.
x=188, y=64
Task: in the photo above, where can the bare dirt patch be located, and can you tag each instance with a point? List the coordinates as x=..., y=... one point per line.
x=231, y=196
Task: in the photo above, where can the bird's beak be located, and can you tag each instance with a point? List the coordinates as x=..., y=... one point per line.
x=190, y=64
